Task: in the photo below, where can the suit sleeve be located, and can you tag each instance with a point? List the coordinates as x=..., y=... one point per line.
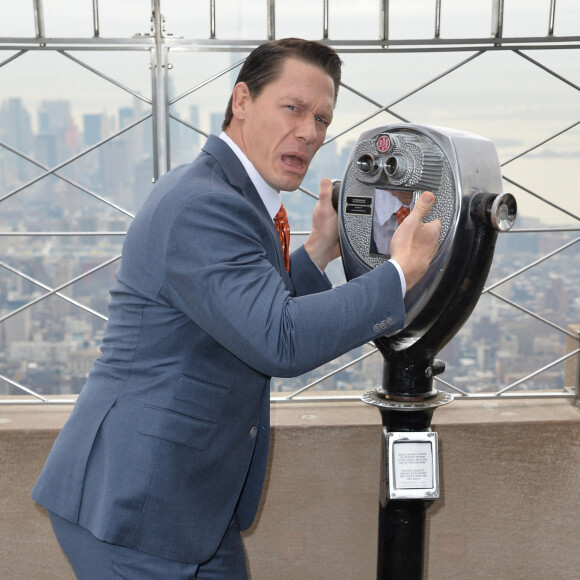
x=218, y=272
x=306, y=275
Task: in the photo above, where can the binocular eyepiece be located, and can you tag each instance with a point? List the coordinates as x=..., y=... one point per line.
x=390, y=167
x=395, y=166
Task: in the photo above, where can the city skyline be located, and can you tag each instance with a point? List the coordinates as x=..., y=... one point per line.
x=519, y=99
x=493, y=346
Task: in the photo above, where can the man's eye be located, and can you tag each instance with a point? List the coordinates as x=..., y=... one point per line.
x=321, y=120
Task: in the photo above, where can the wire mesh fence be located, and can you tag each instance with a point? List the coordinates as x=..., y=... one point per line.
x=97, y=105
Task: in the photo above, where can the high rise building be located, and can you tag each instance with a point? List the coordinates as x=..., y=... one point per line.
x=16, y=131
x=92, y=129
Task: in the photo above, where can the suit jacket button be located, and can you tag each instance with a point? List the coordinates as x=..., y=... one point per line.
x=376, y=327
x=253, y=431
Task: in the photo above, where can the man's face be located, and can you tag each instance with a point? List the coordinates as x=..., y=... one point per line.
x=285, y=125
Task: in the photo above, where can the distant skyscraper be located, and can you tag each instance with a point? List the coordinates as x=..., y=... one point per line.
x=125, y=116
x=92, y=129
x=45, y=148
x=15, y=127
x=216, y=120
x=15, y=130
x=194, y=120
x=54, y=117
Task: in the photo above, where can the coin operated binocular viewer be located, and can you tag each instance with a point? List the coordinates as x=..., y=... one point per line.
x=389, y=168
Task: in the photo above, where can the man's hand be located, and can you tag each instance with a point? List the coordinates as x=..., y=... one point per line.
x=322, y=244
x=415, y=243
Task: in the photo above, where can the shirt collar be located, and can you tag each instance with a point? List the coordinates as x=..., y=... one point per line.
x=270, y=197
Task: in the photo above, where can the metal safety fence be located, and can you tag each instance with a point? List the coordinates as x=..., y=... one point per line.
x=72, y=178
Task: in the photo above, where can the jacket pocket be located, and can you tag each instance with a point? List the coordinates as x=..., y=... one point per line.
x=177, y=428
x=198, y=399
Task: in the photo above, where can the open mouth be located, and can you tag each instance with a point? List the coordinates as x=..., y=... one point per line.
x=294, y=161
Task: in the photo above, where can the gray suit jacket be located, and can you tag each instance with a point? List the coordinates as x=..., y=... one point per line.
x=169, y=436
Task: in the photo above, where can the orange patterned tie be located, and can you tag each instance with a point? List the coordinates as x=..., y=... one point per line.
x=402, y=213
x=283, y=227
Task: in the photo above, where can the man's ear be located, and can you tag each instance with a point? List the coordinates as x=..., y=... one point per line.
x=240, y=100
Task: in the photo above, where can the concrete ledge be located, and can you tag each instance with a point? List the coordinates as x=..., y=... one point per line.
x=510, y=507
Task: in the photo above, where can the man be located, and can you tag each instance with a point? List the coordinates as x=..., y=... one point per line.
x=163, y=458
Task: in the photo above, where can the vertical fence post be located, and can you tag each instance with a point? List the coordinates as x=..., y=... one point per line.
x=39, y=19
x=384, y=21
x=160, y=89
x=96, y=27
x=271, y=15
x=497, y=18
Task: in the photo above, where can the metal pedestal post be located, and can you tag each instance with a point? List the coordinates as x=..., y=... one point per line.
x=401, y=537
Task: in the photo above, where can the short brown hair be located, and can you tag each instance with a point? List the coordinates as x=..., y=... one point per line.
x=264, y=64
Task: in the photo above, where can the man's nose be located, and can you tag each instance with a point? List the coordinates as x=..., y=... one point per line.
x=306, y=129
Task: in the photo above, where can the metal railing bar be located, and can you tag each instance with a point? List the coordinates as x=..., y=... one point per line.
x=437, y=18
x=308, y=192
x=96, y=27
x=325, y=19
x=548, y=70
x=533, y=314
x=180, y=120
x=106, y=77
x=271, y=17
x=59, y=288
x=42, y=402
x=326, y=399
x=59, y=234
x=384, y=21
x=38, y=18
x=23, y=388
x=160, y=92
x=334, y=372
x=13, y=57
x=452, y=387
x=373, y=102
x=538, y=196
x=145, y=42
x=497, y=19
x=212, y=19
x=540, y=143
x=542, y=230
x=370, y=45
x=532, y=394
x=331, y=398
x=407, y=95
x=551, y=17
x=74, y=158
x=66, y=179
x=538, y=371
x=136, y=43
x=313, y=399
x=45, y=287
x=530, y=265
x=206, y=82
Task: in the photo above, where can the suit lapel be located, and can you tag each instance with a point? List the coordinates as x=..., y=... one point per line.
x=241, y=182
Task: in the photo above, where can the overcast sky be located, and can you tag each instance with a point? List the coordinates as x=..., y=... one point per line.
x=499, y=95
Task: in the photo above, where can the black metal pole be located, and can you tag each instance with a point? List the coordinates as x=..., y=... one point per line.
x=406, y=402
x=401, y=535
x=401, y=551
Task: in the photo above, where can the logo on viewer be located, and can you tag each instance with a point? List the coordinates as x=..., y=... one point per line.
x=383, y=143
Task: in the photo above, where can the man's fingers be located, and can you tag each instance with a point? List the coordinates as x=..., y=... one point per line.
x=424, y=204
x=325, y=188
